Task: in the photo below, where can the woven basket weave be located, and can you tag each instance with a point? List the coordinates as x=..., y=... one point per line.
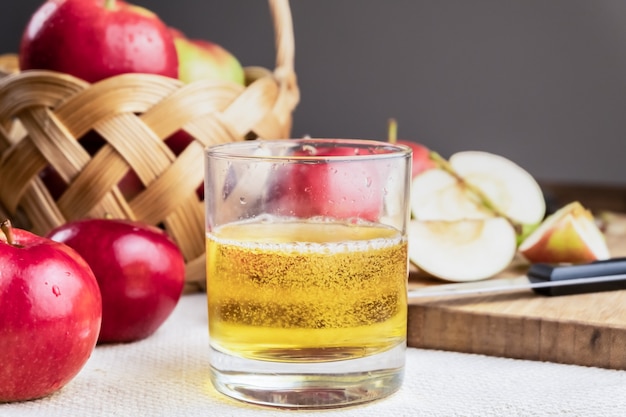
x=44, y=114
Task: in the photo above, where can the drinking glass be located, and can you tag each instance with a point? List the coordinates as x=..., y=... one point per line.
x=306, y=245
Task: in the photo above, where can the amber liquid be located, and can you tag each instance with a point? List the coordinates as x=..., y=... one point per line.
x=306, y=291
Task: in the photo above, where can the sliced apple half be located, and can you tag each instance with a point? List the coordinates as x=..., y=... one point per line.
x=474, y=185
x=437, y=194
x=508, y=188
x=462, y=250
x=570, y=235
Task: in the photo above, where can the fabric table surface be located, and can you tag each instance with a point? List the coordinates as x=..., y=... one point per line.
x=167, y=375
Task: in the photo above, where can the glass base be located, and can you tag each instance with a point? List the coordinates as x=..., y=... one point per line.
x=308, y=385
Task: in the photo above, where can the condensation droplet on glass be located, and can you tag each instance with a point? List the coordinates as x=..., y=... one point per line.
x=242, y=201
x=368, y=182
x=56, y=290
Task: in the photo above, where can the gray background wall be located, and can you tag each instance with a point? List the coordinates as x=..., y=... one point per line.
x=541, y=82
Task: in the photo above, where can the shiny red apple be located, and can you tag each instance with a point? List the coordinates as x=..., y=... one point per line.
x=97, y=39
x=348, y=189
x=140, y=271
x=50, y=314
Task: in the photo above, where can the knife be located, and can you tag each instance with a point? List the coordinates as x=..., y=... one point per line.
x=544, y=279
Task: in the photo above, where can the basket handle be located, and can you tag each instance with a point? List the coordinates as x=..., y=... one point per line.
x=284, y=41
x=283, y=30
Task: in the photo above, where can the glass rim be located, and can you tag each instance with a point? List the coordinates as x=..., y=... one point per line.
x=236, y=150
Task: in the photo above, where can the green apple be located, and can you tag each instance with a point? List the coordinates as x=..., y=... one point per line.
x=201, y=59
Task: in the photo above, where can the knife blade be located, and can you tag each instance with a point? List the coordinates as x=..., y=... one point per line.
x=544, y=279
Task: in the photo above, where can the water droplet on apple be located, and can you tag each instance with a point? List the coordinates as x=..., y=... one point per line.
x=56, y=290
x=307, y=189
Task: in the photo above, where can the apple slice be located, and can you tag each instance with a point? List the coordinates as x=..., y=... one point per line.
x=570, y=235
x=506, y=186
x=438, y=195
x=462, y=250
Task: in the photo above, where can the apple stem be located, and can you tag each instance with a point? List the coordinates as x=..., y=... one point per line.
x=6, y=228
x=477, y=192
x=392, y=131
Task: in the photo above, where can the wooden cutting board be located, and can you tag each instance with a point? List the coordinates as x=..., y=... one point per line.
x=582, y=329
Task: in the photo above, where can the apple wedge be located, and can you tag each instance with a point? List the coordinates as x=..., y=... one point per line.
x=462, y=250
x=570, y=235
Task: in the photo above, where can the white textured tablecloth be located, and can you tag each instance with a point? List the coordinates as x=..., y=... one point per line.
x=166, y=375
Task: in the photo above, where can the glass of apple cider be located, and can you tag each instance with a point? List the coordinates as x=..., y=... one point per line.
x=307, y=270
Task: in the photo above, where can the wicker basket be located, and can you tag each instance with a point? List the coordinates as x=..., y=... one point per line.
x=45, y=115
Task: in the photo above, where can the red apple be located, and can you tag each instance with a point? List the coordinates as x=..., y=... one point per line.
x=97, y=39
x=201, y=59
x=50, y=309
x=341, y=190
x=421, y=157
x=140, y=271
x=422, y=160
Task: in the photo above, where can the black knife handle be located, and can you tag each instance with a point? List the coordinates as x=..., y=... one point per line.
x=546, y=272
